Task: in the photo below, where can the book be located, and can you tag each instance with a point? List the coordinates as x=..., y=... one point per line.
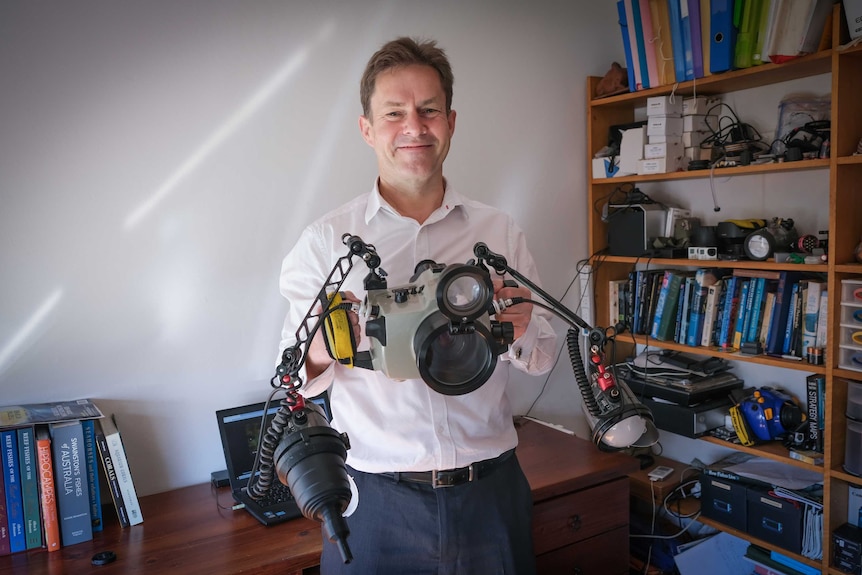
x=768, y=307
x=5, y=547
x=746, y=36
x=636, y=41
x=650, y=41
x=704, y=277
x=731, y=306
x=786, y=346
x=696, y=40
x=713, y=297
x=705, y=15
x=757, y=53
x=12, y=485
x=811, y=315
x=627, y=47
x=91, y=457
x=121, y=466
x=688, y=292
x=28, y=414
x=676, y=40
x=722, y=36
x=813, y=440
x=806, y=455
x=47, y=492
x=775, y=339
x=664, y=43
x=822, y=316
x=71, y=489
x=30, y=487
x=110, y=474
x=746, y=294
x=687, y=51
x=668, y=320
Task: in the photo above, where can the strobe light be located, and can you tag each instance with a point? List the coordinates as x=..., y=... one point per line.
x=309, y=459
x=437, y=328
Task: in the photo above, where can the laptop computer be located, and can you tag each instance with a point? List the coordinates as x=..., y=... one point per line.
x=239, y=428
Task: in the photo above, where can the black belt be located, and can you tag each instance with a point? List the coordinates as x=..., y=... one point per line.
x=452, y=477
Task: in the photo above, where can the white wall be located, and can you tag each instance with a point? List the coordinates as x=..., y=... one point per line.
x=157, y=159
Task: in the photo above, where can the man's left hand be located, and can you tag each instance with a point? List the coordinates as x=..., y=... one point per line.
x=519, y=314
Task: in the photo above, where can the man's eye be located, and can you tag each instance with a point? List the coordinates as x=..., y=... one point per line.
x=430, y=111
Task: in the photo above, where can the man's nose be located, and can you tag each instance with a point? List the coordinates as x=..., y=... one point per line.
x=414, y=124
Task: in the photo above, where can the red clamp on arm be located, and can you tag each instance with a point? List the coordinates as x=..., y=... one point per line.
x=299, y=403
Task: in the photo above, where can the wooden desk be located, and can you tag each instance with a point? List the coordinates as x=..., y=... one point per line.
x=185, y=533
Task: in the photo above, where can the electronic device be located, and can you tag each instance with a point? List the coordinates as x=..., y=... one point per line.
x=686, y=391
x=767, y=414
x=689, y=421
x=659, y=473
x=239, y=429
x=702, y=253
x=847, y=548
x=779, y=234
x=731, y=235
x=631, y=228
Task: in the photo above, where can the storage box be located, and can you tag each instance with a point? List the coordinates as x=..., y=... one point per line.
x=607, y=167
x=664, y=126
x=699, y=123
x=659, y=165
x=632, y=149
x=664, y=106
x=698, y=105
x=775, y=520
x=694, y=139
x=725, y=501
x=672, y=147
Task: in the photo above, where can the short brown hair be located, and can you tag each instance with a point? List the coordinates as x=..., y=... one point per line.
x=402, y=52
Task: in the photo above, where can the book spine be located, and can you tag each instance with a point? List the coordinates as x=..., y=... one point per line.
x=730, y=304
x=91, y=458
x=744, y=307
x=30, y=487
x=14, y=497
x=73, y=498
x=768, y=307
x=47, y=493
x=756, y=311
x=812, y=309
x=822, y=316
x=661, y=304
x=711, y=313
x=5, y=547
x=111, y=477
x=668, y=320
x=814, y=441
x=124, y=477
x=775, y=341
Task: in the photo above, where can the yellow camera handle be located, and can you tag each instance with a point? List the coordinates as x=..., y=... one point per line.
x=742, y=431
x=338, y=334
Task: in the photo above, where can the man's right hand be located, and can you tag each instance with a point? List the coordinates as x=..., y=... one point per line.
x=318, y=358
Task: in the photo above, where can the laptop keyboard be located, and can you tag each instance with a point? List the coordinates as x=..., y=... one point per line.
x=277, y=493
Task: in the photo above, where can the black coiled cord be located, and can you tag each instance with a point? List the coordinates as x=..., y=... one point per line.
x=259, y=484
x=580, y=374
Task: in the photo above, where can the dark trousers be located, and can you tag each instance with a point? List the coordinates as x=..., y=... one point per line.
x=402, y=528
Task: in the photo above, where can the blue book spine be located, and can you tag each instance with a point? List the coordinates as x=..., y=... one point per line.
x=688, y=55
x=30, y=487
x=791, y=315
x=727, y=319
x=756, y=311
x=641, y=46
x=627, y=47
x=676, y=40
x=775, y=338
x=92, y=456
x=743, y=316
x=14, y=496
x=70, y=481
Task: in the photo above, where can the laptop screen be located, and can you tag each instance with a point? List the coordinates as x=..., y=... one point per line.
x=240, y=429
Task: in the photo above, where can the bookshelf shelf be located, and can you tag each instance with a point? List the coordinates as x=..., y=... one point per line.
x=842, y=70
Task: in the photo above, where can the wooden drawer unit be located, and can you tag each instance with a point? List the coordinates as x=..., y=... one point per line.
x=580, y=515
x=600, y=555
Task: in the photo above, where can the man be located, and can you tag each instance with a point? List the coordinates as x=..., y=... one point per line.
x=401, y=431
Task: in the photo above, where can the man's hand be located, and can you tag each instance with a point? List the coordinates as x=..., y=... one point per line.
x=318, y=359
x=519, y=314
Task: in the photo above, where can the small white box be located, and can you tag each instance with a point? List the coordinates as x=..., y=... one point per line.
x=608, y=168
x=694, y=139
x=659, y=139
x=699, y=123
x=672, y=147
x=853, y=12
x=664, y=126
x=659, y=166
x=632, y=149
x=692, y=154
x=699, y=105
x=664, y=106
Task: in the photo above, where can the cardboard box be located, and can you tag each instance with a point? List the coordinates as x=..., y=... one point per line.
x=699, y=105
x=854, y=504
x=659, y=165
x=692, y=154
x=775, y=520
x=698, y=123
x=632, y=149
x=694, y=139
x=664, y=126
x=853, y=12
x=724, y=500
x=664, y=106
x=670, y=148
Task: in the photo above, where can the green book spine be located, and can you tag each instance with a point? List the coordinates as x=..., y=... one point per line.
x=30, y=488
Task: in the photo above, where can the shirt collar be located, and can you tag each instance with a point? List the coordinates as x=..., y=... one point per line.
x=451, y=201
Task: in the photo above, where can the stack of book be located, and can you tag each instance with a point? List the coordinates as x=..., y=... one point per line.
x=56, y=457
x=667, y=41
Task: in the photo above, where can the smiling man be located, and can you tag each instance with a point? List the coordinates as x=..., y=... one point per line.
x=404, y=436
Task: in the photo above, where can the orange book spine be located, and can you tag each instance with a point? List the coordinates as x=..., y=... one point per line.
x=47, y=493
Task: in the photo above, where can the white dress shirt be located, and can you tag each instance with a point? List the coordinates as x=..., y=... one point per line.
x=405, y=425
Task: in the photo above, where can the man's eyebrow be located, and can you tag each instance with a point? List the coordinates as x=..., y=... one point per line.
x=394, y=104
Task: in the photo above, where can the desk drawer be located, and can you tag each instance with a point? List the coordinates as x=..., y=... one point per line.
x=605, y=554
x=580, y=515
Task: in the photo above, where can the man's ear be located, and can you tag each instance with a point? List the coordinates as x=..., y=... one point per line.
x=451, y=120
x=365, y=130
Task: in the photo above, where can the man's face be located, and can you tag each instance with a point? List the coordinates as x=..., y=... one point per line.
x=408, y=126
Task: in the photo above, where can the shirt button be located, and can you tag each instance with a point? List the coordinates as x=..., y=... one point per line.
x=518, y=353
